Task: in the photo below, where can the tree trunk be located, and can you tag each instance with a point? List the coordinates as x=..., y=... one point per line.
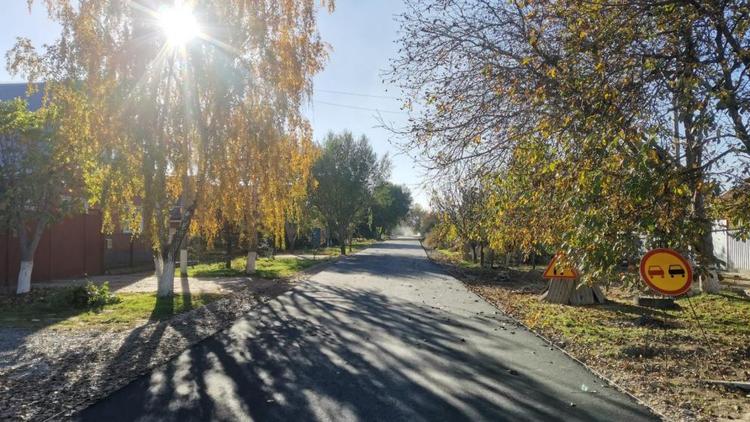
x=291, y=234
x=559, y=291
x=709, y=279
x=709, y=282
x=130, y=253
x=251, y=259
x=228, y=262
x=342, y=240
x=28, y=245
x=481, y=255
x=166, y=280
x=252, y=249
x=158, y=264
x=694, y=149
x=165, y=263
x=565, y=292
x=24, y=277
x=183, y=262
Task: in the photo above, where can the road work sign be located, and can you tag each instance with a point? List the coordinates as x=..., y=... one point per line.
x=556, y=270
x=666, y=271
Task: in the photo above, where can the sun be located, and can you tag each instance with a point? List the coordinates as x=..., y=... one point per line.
x=179, y=24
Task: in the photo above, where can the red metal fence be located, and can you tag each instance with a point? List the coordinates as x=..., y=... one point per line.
x=71, y=248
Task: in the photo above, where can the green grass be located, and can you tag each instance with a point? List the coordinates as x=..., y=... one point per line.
x=334, y=251
x=606, y=329
x=648, y=350
x=48, y=308
x=264, y=267
x=271, y=268
x=282, y=267
x=724, y=319
x=456, y=258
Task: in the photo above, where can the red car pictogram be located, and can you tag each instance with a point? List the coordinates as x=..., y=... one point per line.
x=655, y=270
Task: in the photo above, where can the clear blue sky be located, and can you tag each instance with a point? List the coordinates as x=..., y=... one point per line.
x=361, y=34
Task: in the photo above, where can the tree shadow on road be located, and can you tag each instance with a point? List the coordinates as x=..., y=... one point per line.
x=335, y=353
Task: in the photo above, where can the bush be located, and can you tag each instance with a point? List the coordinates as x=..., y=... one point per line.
x=92, y=296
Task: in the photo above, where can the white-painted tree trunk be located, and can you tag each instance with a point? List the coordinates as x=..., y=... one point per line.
x=251, y=258
x=158, y=265
x=24, y=277
x=28, y=243
x=710, y=282
x=183, y=262
x=166, y=280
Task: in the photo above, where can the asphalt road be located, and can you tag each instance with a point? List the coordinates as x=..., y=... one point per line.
x=383, y=335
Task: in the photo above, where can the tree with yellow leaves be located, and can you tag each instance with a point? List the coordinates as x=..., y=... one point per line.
x=617, y=121
x=170, y=87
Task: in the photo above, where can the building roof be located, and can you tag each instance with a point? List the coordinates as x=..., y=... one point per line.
x=12, y=91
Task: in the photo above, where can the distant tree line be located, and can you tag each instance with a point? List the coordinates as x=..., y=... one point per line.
x=353, y=192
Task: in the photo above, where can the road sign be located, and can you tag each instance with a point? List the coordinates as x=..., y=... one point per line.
x=554, y=270
x=666, y=271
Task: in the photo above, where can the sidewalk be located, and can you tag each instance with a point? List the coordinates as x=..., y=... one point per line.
x=147, y=282
x=741, y=280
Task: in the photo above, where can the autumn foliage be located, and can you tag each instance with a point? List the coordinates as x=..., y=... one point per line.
x=600, y=129
x=183, y=133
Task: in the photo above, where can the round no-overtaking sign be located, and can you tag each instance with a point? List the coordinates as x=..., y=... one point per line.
x=666, y=271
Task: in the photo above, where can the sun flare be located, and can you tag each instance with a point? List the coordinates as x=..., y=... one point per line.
x=179, y=24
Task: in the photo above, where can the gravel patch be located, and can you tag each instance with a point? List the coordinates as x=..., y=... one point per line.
x=50, y=373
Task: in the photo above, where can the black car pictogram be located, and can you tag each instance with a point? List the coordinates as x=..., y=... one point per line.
x=675, y=270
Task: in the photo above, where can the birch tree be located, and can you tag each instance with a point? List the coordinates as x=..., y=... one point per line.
x=170, y=85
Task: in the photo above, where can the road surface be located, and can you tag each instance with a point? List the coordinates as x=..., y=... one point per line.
x=381, y=335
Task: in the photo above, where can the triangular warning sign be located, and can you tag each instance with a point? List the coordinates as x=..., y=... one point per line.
x=555, y=271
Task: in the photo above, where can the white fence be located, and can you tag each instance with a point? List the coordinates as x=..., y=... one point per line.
x=735, y=253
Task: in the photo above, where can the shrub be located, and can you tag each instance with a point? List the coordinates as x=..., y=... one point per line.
x=92, y=296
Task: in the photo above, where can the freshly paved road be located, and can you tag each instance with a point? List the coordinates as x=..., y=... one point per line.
x=382, y=335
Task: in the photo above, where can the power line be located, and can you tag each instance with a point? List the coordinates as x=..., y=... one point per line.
x=355, y=94
x=358, y=108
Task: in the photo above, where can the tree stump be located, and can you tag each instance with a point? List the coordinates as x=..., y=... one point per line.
x=567, y=292
x=559, y=291
x=710, y=282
